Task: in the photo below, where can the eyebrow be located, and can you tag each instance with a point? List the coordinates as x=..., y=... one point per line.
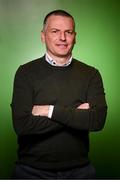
x=72, y=30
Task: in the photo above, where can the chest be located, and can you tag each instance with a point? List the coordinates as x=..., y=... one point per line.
x=66, y=88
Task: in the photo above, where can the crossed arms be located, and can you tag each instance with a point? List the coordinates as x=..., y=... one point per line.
x=29, y=118
x=42, y=110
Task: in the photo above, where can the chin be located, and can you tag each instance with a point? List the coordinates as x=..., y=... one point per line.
x=63, y=54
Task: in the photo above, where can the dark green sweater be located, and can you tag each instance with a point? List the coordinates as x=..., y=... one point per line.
x=62, y=141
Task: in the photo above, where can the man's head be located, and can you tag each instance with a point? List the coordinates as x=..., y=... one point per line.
x=57, y=13
x=59, y=34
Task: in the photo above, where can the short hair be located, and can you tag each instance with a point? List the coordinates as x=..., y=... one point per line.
x=58, y=12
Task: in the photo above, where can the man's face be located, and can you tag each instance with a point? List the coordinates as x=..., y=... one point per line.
x=59, y=36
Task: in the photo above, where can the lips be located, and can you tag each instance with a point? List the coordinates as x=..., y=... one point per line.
x=62, y=45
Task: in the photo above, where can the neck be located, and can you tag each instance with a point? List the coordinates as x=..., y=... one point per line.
x=60, y=60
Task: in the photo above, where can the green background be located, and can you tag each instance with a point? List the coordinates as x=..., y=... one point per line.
x=97, y=26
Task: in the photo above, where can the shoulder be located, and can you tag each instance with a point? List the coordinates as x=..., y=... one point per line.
x=30, y=66
x=83, y=67
x=85, y=71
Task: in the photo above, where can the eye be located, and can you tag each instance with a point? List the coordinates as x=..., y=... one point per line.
x=54, y=31
x=69, y=32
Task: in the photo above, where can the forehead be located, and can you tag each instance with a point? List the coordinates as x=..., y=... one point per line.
x=55, y=21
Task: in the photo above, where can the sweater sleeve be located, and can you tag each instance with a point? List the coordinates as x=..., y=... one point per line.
x=92, y=119
x=24, y=122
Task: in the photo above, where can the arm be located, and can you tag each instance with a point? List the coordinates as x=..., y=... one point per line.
x=87, y=116
x=91, y=119
x=22, y=103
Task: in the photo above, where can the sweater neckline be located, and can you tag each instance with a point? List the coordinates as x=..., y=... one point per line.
x=45, y=63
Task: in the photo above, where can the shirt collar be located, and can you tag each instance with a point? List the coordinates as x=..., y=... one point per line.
x=53, y=62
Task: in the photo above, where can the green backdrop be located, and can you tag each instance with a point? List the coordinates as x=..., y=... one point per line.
x=97, y=26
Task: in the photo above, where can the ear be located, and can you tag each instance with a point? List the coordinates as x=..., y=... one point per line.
x=75, y=38
x=43, y=36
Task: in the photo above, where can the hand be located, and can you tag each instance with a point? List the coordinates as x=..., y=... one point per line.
x=40, y=110
x=84, y=106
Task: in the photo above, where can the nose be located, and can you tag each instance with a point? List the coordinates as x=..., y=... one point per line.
x=62, y=36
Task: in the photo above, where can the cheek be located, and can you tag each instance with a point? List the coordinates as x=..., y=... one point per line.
x=49, y=39
x=71, y=41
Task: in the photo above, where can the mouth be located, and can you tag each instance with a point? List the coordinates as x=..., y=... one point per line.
x=62, y=45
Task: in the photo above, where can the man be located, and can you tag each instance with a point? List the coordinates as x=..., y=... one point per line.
x=56, y=102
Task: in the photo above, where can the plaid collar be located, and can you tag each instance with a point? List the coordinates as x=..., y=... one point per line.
x=53, y=62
